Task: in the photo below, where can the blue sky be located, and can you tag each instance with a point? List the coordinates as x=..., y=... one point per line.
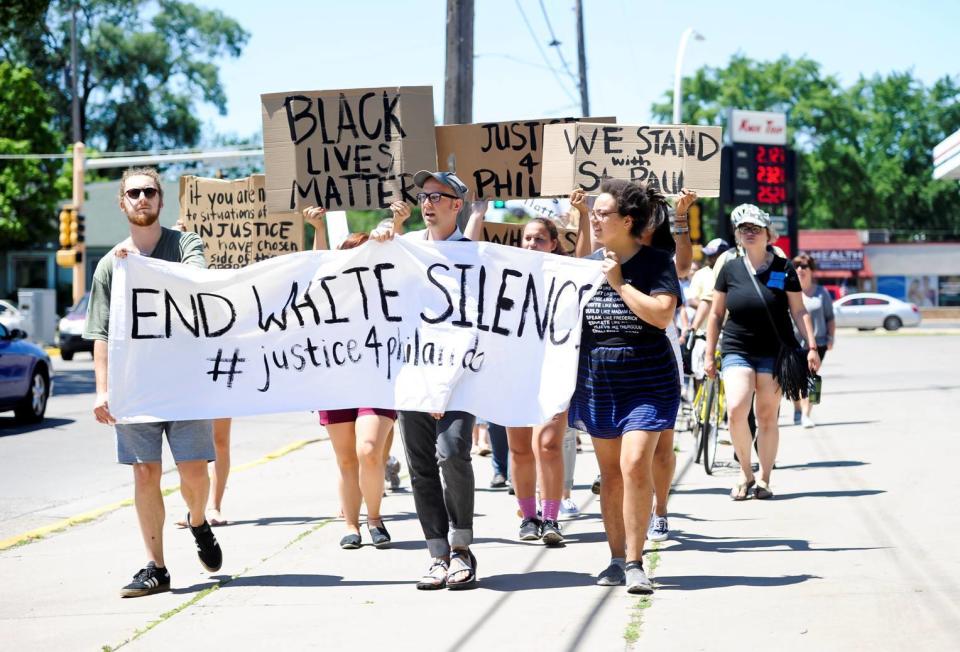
x=631, y=47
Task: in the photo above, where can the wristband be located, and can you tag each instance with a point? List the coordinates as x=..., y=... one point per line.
x=678, y=230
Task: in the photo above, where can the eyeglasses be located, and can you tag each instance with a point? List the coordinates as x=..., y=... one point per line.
x=601, y=215
x=750, y=228
x=133, y=194
x=434, y=197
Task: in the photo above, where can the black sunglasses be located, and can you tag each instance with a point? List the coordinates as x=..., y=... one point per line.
x=802, y=266
x=434, y=197
x=134, y=193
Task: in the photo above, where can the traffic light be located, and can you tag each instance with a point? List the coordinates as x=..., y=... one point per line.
x=69, y=257
x=66, y=225
x=76, y=229
x=694, y=222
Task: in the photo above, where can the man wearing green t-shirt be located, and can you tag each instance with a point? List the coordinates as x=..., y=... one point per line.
x=139, y=444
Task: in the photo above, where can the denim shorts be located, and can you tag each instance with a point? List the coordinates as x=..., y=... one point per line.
x=138, y=443
x=760, y=364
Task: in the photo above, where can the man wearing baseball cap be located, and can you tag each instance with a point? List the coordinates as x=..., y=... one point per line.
x=441, y=441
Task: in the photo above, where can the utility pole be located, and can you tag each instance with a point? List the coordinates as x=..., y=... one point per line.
x=458, y=89
x=77, y=136
x=582, y=61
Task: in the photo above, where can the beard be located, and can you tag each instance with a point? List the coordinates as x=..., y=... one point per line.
x=146, y=217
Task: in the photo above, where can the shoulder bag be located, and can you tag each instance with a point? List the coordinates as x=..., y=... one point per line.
x=790, y=368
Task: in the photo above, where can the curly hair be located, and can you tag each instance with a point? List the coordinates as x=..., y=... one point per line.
x=644, y=204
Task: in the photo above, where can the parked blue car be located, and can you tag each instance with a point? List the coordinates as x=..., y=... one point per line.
x=25, y=376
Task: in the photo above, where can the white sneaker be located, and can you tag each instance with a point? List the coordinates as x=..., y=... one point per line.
x=568, y=509
x=808, y=422
x=659, y=529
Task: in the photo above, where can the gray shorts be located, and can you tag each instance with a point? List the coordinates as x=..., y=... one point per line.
x=188, y=440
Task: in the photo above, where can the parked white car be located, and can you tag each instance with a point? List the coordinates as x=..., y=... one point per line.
x=10, y=316
x=868, y=310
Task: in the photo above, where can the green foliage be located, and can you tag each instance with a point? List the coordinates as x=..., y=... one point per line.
x=864, y=152
x=29, y=188
x=143, y=67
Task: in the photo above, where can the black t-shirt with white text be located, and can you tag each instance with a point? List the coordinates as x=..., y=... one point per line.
x=747, y=330
x=608, y=320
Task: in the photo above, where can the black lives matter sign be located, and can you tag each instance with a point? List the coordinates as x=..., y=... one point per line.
x=346, y=149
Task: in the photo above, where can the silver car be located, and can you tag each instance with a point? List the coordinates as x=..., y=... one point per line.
x=869, y=310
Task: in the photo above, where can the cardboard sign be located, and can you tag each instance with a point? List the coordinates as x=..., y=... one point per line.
x=668, y=157
x=512, y=235
x=346, y=149
x=498, y=160
x=232, y=220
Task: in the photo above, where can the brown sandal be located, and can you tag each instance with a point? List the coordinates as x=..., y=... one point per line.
x=742, y=490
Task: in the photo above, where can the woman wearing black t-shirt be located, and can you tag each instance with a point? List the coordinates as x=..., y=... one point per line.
x=750, y=343
x=627, y=385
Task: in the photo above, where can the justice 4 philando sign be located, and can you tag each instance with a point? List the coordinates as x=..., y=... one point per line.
x=407, y=324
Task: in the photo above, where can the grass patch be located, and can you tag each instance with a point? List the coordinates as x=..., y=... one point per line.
x=635, y=625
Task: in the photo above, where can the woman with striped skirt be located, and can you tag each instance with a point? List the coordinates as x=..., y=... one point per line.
x=627, y=385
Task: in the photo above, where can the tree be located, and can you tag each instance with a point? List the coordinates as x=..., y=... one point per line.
x=864, y=152
x=29, y=188
x=143, y=67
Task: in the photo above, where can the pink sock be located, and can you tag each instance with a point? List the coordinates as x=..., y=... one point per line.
x=528, y=507
x=551, y=509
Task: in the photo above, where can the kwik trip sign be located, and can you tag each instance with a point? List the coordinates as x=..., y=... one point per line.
x=762, y=127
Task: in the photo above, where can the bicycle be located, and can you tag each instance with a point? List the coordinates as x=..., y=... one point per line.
x=709, y=408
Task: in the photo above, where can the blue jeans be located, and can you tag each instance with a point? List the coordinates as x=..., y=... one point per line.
x=500, y=448
x=760, y=364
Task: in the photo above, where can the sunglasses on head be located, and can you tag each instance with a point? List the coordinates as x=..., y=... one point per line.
x=134, y=193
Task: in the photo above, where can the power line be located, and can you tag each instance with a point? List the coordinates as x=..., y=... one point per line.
x=543, y=54
x=508, y=57
x=555, y=43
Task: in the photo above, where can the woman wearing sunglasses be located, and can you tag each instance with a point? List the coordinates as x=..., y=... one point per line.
x=628, y=389
x=761, y=292
x=819, y=304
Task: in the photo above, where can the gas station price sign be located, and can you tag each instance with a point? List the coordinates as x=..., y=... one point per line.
x=760, y=174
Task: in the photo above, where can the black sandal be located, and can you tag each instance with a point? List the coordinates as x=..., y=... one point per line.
x=741, y=491
x=435, y=577
x=462, y=561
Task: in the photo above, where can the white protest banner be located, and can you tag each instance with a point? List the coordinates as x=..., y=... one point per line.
x=668, y=157
x=343, y=149
x=230, y=216
x=407, y=324
x=498, y=160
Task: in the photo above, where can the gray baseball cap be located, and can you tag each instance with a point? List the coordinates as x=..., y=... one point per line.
x=716, y=246
x=446, y=178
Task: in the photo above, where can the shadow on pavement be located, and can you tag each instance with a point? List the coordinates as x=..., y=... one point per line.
x=824, y=424
x=536, y=580
x=713, y=491
x=823, y=465
x=683, y=541
x=307, y=580
x=830, y=494
x=75, y=381
x=896, y=390
x=10, y=426
x=695, y=582
x=279, y=520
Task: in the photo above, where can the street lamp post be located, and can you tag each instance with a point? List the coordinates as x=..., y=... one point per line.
x=678, y=70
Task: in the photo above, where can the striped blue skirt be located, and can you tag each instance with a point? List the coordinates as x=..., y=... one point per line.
x=624, y=388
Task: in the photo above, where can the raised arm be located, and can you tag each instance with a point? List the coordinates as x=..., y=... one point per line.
x=316, y=217
x=681, y=232
x=578, y=202
x=474, y=229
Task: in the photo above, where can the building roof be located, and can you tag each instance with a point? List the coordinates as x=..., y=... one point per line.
x=829, y=239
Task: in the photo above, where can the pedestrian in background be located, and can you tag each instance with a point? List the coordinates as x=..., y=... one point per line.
x=819, y=305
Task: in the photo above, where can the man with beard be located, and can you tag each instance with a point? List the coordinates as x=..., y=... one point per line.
x=191, y=442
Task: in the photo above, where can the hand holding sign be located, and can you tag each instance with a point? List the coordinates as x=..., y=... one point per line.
x=315, y=216
x=578, y=200
x=612, y=270
x=401, y=213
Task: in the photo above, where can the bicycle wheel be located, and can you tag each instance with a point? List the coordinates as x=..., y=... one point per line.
x=696, y=417
x=711, y=425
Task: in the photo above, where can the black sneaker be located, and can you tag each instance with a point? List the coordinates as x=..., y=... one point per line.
x=595, y=487
x=530, y=529
x=550, y=533
x=147, y=580
x=379, y=535
x=208, y=550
